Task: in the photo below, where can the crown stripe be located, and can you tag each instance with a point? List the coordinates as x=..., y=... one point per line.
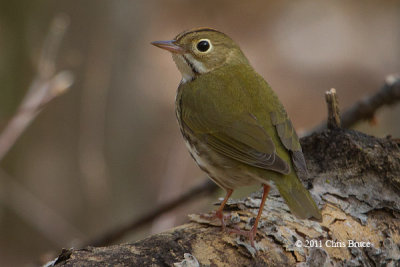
x=202, y=29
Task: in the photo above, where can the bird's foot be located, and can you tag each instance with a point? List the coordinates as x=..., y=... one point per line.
x=217, y=215
x=249, y=234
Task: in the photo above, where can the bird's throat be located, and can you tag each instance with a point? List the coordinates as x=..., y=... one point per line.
x=188, y=66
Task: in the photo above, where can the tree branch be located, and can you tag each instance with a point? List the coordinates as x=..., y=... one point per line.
x=46, y=86
x=360, y=199
x=366, y=108
x=333, y=109
x=390, y=92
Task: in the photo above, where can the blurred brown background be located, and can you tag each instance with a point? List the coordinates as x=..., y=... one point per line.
x=109, y=150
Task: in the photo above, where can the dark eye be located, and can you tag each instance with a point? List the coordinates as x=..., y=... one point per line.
x=203, y=46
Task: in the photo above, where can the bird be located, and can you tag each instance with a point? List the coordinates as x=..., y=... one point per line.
x=234, y=125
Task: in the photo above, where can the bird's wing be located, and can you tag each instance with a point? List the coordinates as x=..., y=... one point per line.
x=289, y=138
x=228, y=127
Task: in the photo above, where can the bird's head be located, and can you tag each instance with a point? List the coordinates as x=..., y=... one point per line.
x=201, y=50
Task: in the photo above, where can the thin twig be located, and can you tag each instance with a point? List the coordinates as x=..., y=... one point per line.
x=366, y=108
x=333, y=109
x=206, y=188
x=45, y=87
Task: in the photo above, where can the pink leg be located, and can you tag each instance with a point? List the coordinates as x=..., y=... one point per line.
x=219, y=213
x=252, y=233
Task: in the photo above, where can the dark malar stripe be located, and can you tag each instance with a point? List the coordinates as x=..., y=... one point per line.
x=195, y=72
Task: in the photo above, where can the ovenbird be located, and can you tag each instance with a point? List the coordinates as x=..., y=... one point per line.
x=234, y=125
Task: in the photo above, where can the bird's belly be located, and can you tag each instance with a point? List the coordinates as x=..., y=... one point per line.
x=225, y=172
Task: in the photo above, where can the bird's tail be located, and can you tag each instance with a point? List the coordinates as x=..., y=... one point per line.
x=298, y=198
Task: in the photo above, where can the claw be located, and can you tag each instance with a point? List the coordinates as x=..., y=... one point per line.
x=249, y=234
x=217, y=215
x=253, y=232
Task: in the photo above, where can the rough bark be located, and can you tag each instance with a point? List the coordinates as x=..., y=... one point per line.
x=355, y=179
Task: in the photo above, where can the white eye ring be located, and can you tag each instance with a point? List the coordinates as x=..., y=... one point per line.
x=203, y=46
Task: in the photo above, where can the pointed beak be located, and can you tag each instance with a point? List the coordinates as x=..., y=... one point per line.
x=170, y=46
